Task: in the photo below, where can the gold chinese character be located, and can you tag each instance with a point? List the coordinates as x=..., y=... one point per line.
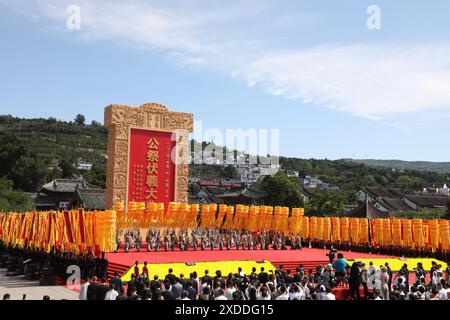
x=152, y=181
x=152, y=156
x=151, y=194
x=152, y=168
x=152, y=143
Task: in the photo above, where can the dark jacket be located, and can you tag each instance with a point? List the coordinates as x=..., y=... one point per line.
x=102, y=290
x=168, y=295
x=117, y=282
x=93, y=291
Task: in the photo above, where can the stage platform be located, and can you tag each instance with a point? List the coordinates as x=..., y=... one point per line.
x=121, y=261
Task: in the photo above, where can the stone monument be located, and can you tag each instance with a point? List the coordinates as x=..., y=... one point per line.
x=148, y=152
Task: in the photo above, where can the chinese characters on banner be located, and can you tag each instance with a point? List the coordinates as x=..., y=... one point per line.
x=151, y=170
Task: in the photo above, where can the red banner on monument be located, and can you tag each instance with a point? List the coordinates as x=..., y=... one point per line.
x=151, y=169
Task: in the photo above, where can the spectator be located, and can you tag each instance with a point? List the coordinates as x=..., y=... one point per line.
x=220, y=295
x=171, y=277
x=84, y=289
x=93, y=289
x=177, y=289
x=116, y=281
x=340, y=265
x=354, y=281
x=363, y=279
x=111, y=294
x=328, y=295
x=167, y=289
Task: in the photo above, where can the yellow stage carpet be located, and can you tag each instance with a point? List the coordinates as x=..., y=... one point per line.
x=396, y=264
x=161, y=269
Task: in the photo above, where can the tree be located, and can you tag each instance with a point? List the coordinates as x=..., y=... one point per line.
x=13, y=200
x=194, y=188
x=26, y=171
x=326, y=203
x=29, y=173
x=80, y=119
x=97, y=176
x=67, y=167
x=96, y=123
x=230, y=172
x=281, y=191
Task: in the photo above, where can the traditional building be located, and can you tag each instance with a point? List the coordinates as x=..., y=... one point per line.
x=61, y=194
x=367, y=210
x=373, y=193
x=227, y=193
x=307, y=193
x=390, y=205
x=88, y=199
x=244, y=196
x=422, y=202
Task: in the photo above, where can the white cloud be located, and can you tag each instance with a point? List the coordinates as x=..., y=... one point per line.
x=375, y=81
x=366, y=80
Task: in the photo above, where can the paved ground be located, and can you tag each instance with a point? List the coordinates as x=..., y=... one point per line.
x=17, y=286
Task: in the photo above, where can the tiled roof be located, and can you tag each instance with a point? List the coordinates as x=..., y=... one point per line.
x=91, y=199
x=393, y=204
x=218, y=184
x=378, y=192
x=307, y=191
x=429, y=201
x=67, y=185
x=367, y=210
x=248, y=193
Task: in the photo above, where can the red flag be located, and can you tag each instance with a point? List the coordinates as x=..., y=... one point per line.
x=82, y=225
x=68, y=226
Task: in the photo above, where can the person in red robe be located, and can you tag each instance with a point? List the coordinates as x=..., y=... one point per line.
x=145, y=269
x=136, y=269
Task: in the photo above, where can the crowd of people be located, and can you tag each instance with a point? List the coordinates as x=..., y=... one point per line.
x=58, y=261
x=377, y=283
x=207, y=239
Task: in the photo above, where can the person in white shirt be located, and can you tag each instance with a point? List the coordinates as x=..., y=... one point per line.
x=84, y=289
x=304, y=285
x=263, y=293
x=220, y=295
x=442, y=292
x=296, y=292
x=321, y=292
x=328, y=295
x=112, y=293
x=230, y=290
x=184, y=295
x=376, y=295
x=283, y=294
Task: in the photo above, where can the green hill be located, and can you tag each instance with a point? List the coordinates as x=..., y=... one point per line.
x=35, y=151
x=407, y=165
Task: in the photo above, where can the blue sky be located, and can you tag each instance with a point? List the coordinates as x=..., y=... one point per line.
x=311, y=69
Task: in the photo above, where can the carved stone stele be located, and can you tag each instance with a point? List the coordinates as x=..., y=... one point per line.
x=119, y=119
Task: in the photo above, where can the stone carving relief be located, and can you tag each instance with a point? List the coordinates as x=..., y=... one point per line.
x=152, y=116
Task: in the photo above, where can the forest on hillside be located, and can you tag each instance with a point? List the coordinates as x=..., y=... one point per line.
x=36, y=151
